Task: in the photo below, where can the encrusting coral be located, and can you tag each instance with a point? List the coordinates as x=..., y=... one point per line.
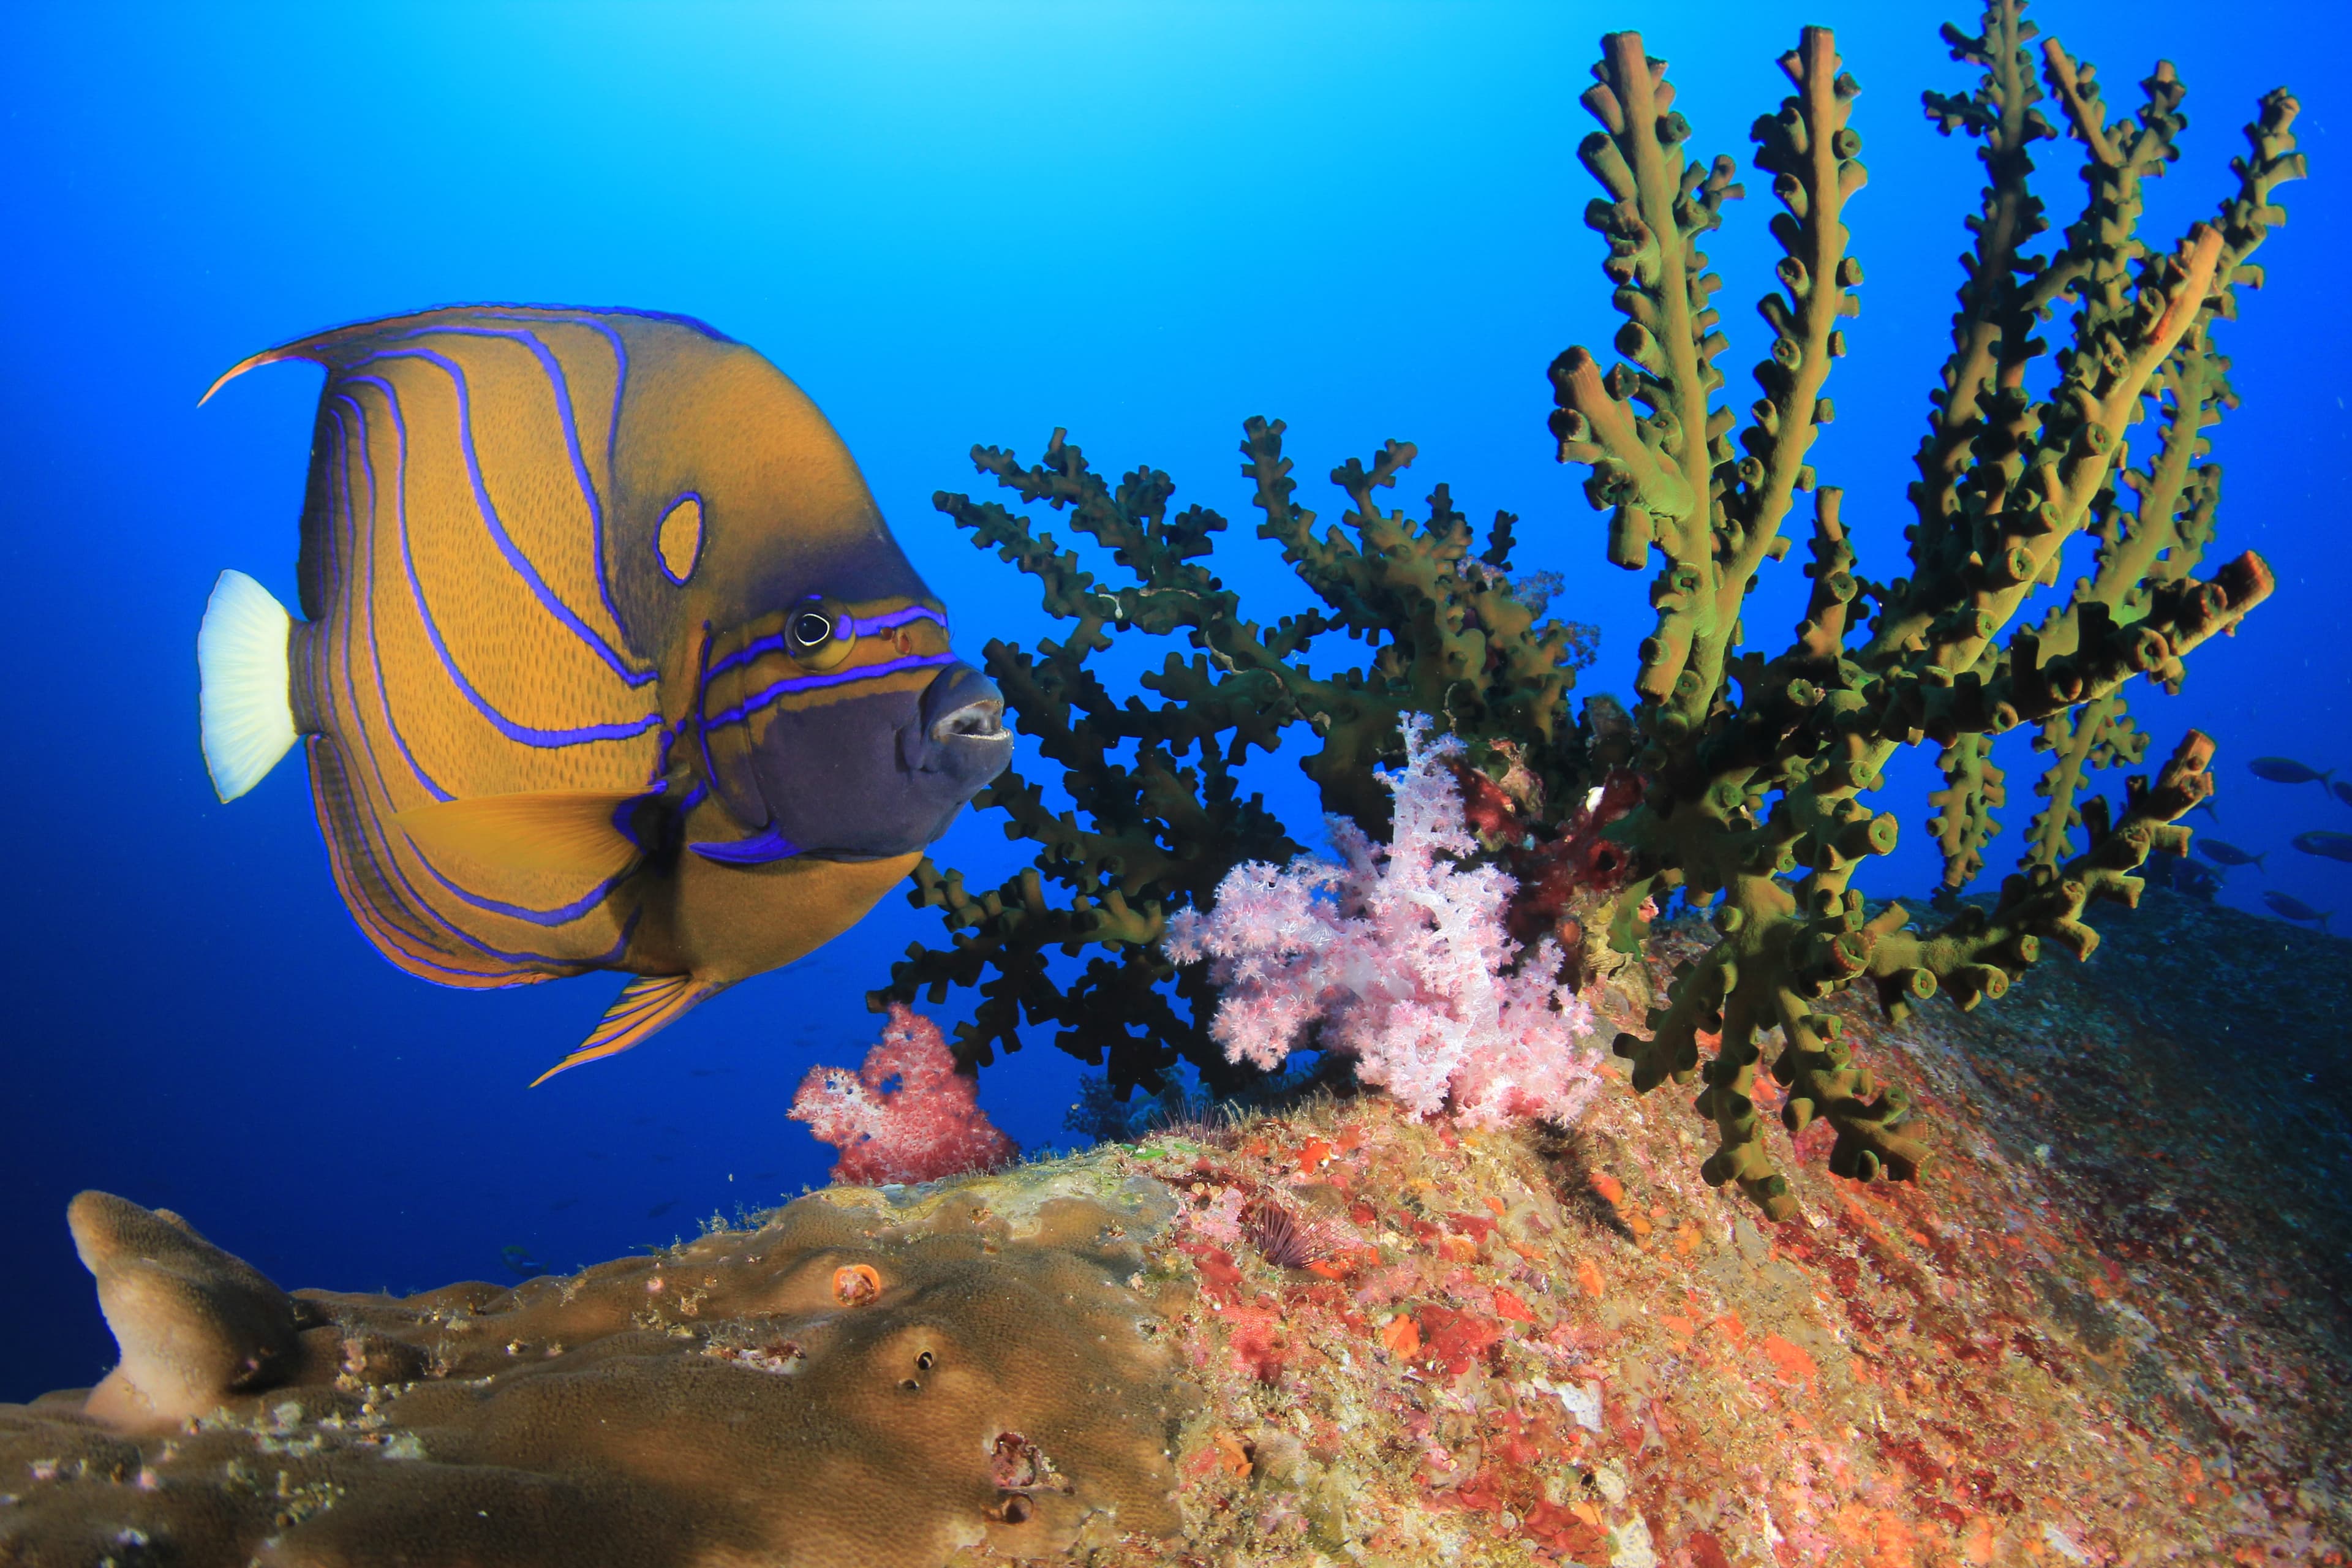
x=1737, y=780
x=867, y=1378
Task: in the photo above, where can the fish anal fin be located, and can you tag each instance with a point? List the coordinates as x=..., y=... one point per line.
x=647, y=1004
x=576, y=831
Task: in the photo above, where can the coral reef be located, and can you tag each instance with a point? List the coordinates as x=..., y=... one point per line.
x=1449, y=632
x=867, y=1378
x=1398, y=959
x=1383, y=1340
x=1738, y=780
x=907, y=1115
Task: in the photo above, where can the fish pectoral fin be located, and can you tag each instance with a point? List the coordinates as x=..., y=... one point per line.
x=645, y=1005
x=581, y=831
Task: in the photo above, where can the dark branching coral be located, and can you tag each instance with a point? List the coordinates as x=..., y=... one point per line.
x=1754, y=766
x=1448, y=632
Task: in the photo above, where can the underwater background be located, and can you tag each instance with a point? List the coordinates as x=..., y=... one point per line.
x=950, y=226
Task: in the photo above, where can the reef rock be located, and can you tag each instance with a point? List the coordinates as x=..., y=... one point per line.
x=872, y=1377
x=2109, y=1328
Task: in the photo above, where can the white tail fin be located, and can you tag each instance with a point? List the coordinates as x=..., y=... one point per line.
x=243, y=694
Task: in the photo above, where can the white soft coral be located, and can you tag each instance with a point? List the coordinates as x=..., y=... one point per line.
x=1401, y=954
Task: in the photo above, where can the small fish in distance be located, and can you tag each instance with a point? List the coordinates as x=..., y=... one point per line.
x=2226, y=854
x=2332, y=845
x=2291, y=908
x=519, y=1258
x=2342, y=790
x=2209, y=809
x=606, y=659
x=2286, y=770
x=2182, y=876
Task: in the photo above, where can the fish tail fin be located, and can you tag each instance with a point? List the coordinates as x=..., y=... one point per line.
x=245, y=698
x=645, y=1005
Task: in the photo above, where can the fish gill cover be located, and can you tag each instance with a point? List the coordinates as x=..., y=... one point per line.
x=1737, y=782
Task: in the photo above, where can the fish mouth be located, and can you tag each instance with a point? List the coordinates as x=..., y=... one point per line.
x=960, y=723
x=980, y=720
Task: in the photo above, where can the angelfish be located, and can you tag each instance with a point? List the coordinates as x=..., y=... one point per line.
x=607, y=659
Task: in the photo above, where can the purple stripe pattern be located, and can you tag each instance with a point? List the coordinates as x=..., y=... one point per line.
x=759, y=849
x=400, y=488
x=859, y=626
x=523, y=568
x=771, y=693
x=526, y=734
x=562, y=390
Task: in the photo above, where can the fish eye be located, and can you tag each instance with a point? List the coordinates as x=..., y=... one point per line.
x=818, y=633
x=810, y=629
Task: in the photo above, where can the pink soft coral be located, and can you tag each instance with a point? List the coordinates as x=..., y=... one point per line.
x=930, y=1126
x=1401, y=954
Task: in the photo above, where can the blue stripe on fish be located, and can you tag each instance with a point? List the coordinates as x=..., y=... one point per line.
x=762, y=848
x=859, y=626
x=548, y=598
x=366, y=557
x=562, y=390
x=529, y=735
x=786, y=686
x=562, y=915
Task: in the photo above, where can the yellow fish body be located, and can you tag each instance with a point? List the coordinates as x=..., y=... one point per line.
x=607, y=659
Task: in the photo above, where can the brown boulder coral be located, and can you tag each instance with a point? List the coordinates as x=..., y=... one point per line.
x=871, y=1377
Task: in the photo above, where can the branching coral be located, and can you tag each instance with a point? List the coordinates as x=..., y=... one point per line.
x=1398, y=957
x=1739, y=776
x=1754, y=766
x=1448, y=632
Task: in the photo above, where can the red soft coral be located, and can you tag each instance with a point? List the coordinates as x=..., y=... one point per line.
x=931, y=1125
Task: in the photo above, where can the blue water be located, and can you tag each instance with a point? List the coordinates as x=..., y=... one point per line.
x=951, y=224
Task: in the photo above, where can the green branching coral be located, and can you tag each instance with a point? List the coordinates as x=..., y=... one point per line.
x=1754, y=767
x=1448, y=633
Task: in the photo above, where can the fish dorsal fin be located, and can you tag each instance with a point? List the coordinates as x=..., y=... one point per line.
x=647, y=1004
x=584, y=832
